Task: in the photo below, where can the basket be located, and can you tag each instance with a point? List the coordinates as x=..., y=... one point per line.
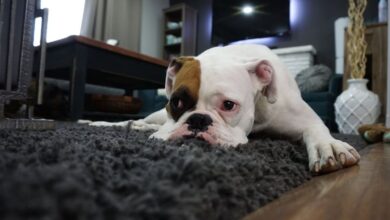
x=113, y=104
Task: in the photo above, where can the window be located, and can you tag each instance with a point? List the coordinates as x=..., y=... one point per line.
x=65, y=17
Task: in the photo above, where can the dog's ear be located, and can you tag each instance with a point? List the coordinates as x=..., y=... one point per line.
x=265, y=74
x=173, y=68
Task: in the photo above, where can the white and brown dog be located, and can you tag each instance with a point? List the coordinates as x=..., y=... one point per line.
x=226, y=93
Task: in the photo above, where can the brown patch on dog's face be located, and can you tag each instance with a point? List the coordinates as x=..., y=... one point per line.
x=185, y=91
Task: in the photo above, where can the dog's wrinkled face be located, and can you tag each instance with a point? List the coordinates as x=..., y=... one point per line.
x=211, y=99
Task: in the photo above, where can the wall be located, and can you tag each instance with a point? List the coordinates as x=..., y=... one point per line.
x=388, y=70
x=152, y=23
x=314, y=24
x=151, y=41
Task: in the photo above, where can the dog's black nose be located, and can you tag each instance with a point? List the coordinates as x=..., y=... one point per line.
x=199, y=122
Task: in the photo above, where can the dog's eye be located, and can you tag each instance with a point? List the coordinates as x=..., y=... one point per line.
x=177, y=103
x=228, y=105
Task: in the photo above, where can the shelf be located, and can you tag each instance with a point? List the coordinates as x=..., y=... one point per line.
x=176, y=31
x=180, y=26
x=174, y=14
x=173, y=46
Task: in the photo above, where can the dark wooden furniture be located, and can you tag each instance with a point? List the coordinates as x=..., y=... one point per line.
x=179, y=31
x=17, y=19
x=16, y=46
x=83, y=60
x=376, y=66
x=359, y=192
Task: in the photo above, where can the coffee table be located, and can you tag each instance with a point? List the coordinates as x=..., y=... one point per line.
x=84, y=60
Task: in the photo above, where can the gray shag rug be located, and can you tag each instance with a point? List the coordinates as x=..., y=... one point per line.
x=82, y=172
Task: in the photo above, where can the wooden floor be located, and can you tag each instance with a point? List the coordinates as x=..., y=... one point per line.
x=359, y=192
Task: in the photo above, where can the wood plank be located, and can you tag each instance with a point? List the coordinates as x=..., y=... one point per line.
x=376, y=69
x=120, y=50
x=102, y=45
x=359, y=192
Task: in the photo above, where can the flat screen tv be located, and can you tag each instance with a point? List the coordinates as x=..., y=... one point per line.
x=235, y=20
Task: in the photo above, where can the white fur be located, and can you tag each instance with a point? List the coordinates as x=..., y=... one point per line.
x=224, y=71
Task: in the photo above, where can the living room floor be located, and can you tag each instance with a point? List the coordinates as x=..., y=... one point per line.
x=359, y=192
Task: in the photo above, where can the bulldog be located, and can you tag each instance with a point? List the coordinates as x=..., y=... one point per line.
x=226, y=93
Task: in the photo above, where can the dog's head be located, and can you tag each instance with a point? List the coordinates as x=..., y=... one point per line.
x=213, y=98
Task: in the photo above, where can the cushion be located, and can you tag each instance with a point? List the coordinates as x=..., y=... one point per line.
x=318, y=97
x=314, y=79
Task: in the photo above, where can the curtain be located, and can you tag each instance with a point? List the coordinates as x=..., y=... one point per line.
x=113, y=19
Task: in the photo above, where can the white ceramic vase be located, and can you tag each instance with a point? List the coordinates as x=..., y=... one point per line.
x=356, y=106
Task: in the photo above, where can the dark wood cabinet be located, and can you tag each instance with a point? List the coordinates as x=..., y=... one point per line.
x=179, y=31
x=376, y=66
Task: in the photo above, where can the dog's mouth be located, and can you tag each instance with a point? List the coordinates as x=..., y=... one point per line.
x=204, y=136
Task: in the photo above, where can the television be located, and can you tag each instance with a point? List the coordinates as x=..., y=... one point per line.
x=235, y=20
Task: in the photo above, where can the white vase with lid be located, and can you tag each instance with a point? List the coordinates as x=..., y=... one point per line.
x=356, y=106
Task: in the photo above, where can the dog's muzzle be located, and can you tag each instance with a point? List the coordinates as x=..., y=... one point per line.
x=199, y=122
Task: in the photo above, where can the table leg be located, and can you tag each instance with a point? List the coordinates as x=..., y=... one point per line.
x=77, y=84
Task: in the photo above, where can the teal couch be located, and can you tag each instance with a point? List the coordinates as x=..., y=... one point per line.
x=323, y=102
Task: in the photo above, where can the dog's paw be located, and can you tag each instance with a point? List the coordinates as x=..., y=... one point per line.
x=331, y=155
x=109, y=124
x=141, y=125
x=82, y=121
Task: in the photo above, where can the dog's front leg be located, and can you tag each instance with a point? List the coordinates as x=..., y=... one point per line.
x=152, y=122
x=327, y=154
